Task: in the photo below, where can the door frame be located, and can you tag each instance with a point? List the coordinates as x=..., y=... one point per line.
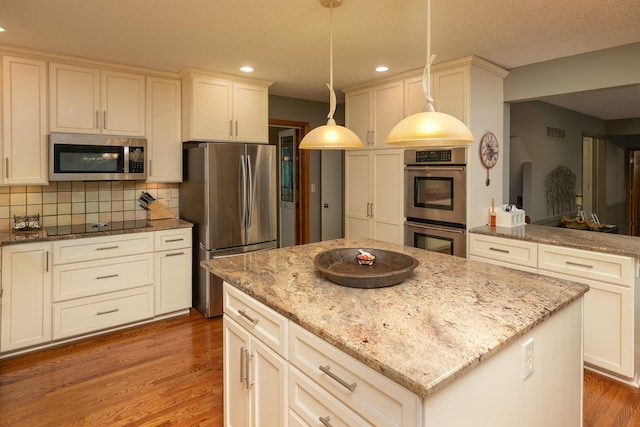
x=632, y=178
x=302, y=205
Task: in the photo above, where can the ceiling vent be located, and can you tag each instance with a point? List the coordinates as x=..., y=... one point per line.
x=555, y=133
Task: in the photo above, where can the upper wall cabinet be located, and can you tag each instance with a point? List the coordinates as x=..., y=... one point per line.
x=89, y=100
x=221, y=109
x=163, y=130
x=371, y=113
x=24, y=133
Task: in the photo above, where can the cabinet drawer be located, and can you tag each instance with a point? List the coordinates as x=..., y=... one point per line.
x=577, y=263
x=94, y=248
x=97, y=277
x=172, y=239
x=310, y=403
x=375, y=397
x=261, y=321
x=90, y=314
x=504, y=251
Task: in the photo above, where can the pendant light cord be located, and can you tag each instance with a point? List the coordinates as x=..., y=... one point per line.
x=332, y=93
x=426, y=75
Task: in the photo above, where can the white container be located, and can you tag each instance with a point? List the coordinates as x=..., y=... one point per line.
x=512, y=218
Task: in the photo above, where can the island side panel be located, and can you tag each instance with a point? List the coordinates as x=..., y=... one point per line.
x=494, y=393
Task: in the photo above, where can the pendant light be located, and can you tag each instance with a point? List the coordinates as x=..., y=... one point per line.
x=430, y=128
x=330, y=136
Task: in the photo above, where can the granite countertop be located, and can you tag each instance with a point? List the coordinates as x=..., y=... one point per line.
x=12, y=237
x=616, y=244
x=447, y=318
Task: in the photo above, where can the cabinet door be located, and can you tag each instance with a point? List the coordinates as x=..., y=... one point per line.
x=357, y=195
x=358, y=106
x=24, y=144
x=26, y=298
x=164, y=144
x=388, y=110
x=451, y=92
x=235, y=346
x=388, y=195
x=123, y=103
x=414, y=99
x=608, y=328
x=250, y=113
x=268, y=373
x=74, y=99
x=210, y=109
x=173, y=280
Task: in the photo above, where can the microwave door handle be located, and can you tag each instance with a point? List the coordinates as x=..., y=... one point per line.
x=435, y=227
x=434, y=168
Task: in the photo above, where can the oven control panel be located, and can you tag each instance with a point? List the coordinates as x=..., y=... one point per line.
x=433, y=156
x=449, y=156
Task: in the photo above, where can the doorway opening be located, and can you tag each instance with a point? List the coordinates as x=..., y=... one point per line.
x=293, y=181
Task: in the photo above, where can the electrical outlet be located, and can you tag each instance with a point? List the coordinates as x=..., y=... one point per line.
x=527, y=359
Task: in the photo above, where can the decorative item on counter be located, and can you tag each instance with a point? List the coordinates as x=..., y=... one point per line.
x=492, y=214
x=154, y=208
x=26, y=223
x=510, y=216
x=365, y=258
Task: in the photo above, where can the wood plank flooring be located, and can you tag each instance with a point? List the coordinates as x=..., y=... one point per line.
x=169, y=373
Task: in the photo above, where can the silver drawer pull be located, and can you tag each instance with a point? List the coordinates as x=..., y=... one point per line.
x=100, y=313
x=104, y=248
x=325, y=421
x=109, y=276
x=249, y=318
x=577, y=264
x=327, y=370
x=502, y=251
x=175, y=254
x=243, y=375
x=174, y=240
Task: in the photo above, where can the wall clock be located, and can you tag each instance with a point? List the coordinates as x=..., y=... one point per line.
x=489, y=151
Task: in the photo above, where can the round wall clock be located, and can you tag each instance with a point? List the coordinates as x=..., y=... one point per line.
x=489, y=151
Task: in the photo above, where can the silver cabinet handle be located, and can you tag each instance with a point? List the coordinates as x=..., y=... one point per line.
x=46, y=261
x=97, y=119
x=174, y=254
x=243, y=375
x=327, y=370
x=236, y=128
x=6, y=167
x=109, y=276
x=174, y=240
x=106, y=248
x=247, y=360
x=230, y=128
x=325, y=421
x=503, y=251
x=100, y=313
x=104, y=121
x=577, y=264
x=244, y=314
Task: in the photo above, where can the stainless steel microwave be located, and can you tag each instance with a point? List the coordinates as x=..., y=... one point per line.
x=85, y=157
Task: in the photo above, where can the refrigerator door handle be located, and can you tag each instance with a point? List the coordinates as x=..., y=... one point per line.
x=243, y=191
x=250, y=192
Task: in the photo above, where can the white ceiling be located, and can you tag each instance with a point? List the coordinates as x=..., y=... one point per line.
x=287, y=41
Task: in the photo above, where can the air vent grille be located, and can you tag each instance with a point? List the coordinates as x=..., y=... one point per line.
x=555, y=133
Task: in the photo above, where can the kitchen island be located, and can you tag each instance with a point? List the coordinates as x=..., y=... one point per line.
x=454, y=333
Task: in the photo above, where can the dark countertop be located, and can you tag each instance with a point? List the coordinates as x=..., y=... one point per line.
x=11, y=237
x=616, y=244
x=456, y=311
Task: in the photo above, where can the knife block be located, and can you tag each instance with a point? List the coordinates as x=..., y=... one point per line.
x=157, y=211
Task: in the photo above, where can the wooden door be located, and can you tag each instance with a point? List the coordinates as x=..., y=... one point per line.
x=633, y=191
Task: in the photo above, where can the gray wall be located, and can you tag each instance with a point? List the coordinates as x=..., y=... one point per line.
x=315, y=113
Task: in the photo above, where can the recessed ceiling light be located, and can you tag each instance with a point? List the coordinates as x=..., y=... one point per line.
x=246, y=69
x=382, y=69
x=2, y=30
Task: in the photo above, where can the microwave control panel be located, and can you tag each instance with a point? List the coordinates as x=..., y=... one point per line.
x=136, y=159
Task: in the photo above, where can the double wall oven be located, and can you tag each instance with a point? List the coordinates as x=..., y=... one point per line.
x=435, y=200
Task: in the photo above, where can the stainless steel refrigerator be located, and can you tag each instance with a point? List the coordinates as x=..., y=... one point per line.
x=229, y=194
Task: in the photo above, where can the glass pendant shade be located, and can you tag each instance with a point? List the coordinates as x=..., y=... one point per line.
x=330, y=137
x=430, y=129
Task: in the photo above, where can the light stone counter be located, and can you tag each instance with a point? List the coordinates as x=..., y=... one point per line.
x=424, y=333
x=616, y=244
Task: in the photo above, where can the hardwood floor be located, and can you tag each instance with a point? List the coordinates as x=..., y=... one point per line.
x=161, y=374
x=170, y=373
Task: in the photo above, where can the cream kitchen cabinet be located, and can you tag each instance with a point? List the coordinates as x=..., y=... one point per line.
x=371, y=113
x=374, y=197
x=90, y=100
x=24, y=134
x=164, y=143
x=173, y=270
x=518, y=254
x=255, y=376
x=26, y=295
x=218, y=109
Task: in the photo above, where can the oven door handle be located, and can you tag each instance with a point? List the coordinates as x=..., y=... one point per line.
x=435, y=227
x=435, y=168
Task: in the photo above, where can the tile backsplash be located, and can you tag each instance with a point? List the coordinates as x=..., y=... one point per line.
x=79, y=202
